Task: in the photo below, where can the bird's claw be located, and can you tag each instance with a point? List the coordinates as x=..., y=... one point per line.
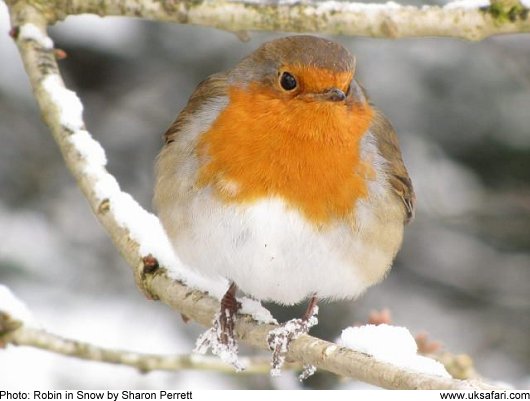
x=220, y=339
x=280, y=338
x=309, y=370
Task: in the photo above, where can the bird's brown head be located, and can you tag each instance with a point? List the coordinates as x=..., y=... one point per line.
x=300, y=68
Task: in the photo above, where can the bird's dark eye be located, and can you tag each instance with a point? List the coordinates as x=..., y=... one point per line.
x=287, y=81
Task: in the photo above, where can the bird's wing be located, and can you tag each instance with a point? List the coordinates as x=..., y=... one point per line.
x=388, y=146
x=175, y=176
x=213, y=86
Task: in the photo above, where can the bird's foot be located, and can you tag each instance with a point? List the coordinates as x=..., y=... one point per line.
x=220, y=337
x=221, y=343
x=280, y=338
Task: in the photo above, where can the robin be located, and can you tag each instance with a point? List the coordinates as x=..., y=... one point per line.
x=282, y=177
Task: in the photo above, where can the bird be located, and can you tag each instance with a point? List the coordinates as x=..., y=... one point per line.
x=281, y=176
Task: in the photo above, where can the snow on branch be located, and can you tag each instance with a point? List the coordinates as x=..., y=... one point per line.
x=141, y=241
x=467, y=19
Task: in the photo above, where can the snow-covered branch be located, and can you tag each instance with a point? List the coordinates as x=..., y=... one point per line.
x=468, y=19
x=139, y=237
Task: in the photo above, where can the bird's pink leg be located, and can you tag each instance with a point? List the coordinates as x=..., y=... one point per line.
x=220, y=337
x=227, y=316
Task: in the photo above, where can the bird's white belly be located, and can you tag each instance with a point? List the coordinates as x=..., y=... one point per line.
x=272, y=253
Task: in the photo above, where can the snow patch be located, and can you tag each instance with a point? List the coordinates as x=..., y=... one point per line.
x=256, y=310
x=32, y=32
x=391, y=344
x=88, y=148
x=467, y=4
x=69, y=105
x=14, y=308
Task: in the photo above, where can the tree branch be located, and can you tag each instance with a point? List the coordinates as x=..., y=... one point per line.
x=127, y=224
x=16, y=332
x=467, y=19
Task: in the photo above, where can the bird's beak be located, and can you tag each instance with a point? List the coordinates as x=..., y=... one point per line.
x=330, y=95
x=354, y=92
x=334, y=95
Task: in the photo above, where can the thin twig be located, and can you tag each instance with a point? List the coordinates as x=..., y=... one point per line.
x=39, y=338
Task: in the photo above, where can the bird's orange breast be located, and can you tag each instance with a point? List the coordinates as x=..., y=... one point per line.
x=307, y=153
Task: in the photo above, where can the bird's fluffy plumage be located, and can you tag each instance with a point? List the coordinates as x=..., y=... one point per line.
x=269, y=237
